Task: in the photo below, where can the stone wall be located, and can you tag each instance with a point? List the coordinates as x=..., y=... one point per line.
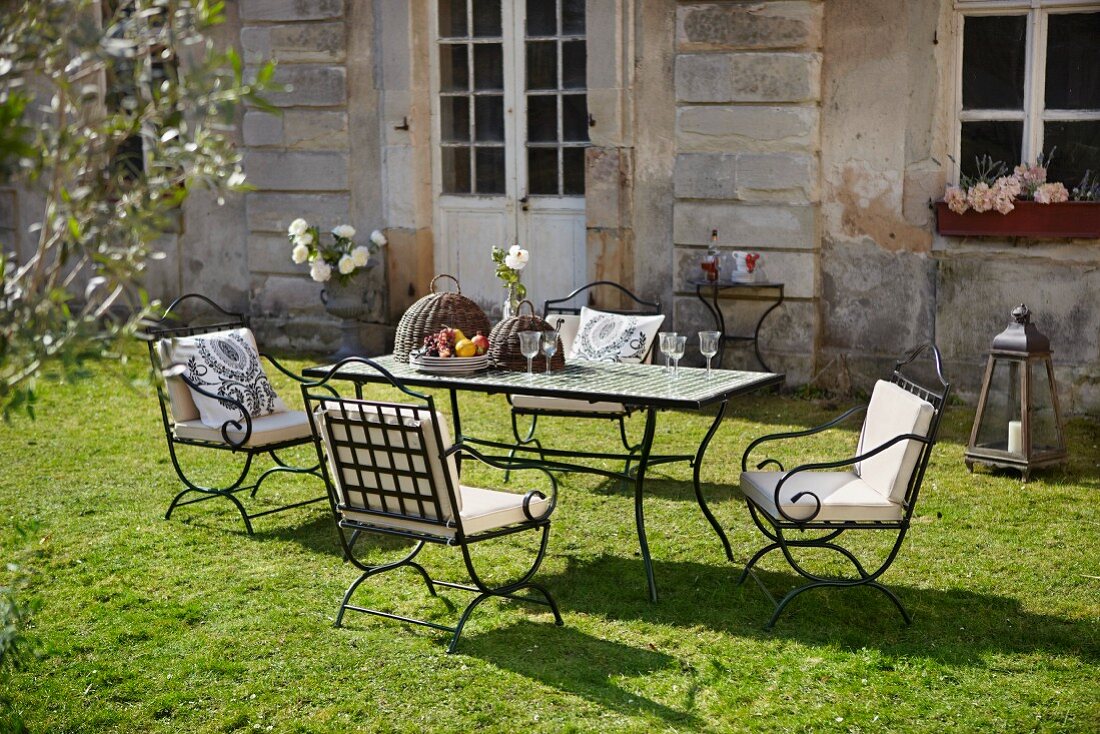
x=747, y=83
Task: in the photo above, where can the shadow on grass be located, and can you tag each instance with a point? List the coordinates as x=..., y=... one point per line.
x=579, y=664
x=956, y=626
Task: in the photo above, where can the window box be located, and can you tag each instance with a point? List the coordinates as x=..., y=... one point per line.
x=1028, y=219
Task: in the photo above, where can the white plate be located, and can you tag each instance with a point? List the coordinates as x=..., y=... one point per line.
x=450, y=365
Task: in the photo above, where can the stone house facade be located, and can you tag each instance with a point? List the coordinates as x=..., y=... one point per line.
x=813, y=132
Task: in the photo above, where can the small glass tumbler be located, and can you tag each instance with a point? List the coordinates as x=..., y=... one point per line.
x=529, y=345
x=665, y=344
x=708, y=345
x=678, y=344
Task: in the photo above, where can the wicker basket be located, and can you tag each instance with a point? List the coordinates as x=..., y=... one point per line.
x=433, y=312
x=504, y=342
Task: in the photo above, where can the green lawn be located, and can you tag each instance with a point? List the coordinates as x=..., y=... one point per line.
x=191, y=625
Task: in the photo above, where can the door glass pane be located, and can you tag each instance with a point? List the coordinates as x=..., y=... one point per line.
x=487, y=18
x=542, y=65
x=1073, y=61
x=993, y=62
x=456, y=170
x=1000, y=139
x=489, y=118
x=572, y=165
x=488, y=66
x=572, y=17
x=454, y=71
x=542, y=118
x=574, y=117
x=541, y=18
x=452, y=18
x=542, y=170
x=573, y=62
x=1076, y=148
x=454, y=123
x=490, y=170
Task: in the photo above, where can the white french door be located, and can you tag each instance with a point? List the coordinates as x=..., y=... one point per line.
x=510, y=128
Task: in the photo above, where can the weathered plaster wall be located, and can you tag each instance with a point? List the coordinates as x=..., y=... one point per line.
x=747, y=85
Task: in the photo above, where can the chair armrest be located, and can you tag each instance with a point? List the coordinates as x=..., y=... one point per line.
x=835, y=465
x=176, y=370
x=795, y=434
x=284, y=370
x=512, y=464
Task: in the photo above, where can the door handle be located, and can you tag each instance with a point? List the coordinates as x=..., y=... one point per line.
x=523, y=202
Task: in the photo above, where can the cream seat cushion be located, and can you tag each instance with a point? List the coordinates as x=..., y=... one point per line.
x=844, y=496
x=269, y=429
x=538, y=402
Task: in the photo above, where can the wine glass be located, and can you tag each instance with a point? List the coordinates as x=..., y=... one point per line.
x=666, y=345
x=678, y=344
x=708, y=345
x=529, y=344
x=549, y=346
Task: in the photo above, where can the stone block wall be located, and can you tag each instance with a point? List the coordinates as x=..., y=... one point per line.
x=747, y=82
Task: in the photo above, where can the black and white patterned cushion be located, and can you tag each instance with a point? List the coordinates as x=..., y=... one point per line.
x=225, y=363
x=611, y=337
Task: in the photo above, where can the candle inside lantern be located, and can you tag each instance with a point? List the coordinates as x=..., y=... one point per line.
x=1015, y=437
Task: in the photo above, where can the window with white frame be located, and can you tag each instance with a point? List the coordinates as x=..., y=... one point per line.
x=1029, y=84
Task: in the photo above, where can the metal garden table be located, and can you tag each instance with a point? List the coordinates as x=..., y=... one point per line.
x=647, y=387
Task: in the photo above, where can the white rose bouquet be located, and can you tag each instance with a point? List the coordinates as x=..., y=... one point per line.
x=340, y=258
x=509, y=264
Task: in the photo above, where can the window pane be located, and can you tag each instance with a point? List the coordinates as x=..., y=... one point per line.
x=454, y=122
x=454, y=71
x=456, y=170
x=489, y=119
x=487, y=18
x=572, y=17
x=993, y=62
x=490, y=170
x=452, y=18
x=542, y=65
x=1078, y=150
x=542, y=118
x=542, y=171
x=541, y=20
x=572, y=168
x=573, y=63
x=1073, y=61
x=574, y=117
x=1001, y=140
x=488, y=66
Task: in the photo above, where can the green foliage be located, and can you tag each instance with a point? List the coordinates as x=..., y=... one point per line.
x=113, y=117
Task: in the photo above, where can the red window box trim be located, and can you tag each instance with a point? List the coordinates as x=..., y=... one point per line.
x=1066, y=219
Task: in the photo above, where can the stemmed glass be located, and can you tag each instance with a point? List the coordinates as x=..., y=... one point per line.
x=529, y=344
x=708, y=345
x=666, y=338
x=678, y=344
x=549, y=346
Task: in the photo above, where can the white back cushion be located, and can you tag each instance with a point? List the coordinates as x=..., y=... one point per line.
x=568, y=330
x=611, y=337
x=366, y=443
x=893, y=411
x=225, y=363
x=179, y=395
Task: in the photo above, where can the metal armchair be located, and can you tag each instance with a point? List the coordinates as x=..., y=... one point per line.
x=244, y=435
x=391, y=469
x=875, y=490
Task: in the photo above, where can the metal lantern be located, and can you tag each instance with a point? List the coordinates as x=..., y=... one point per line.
x=1018, y=424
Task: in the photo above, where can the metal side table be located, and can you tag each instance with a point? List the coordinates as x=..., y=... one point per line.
x=717, y=288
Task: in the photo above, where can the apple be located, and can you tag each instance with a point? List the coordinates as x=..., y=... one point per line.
x=481, y=342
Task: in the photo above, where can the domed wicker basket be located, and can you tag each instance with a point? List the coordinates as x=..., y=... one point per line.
x=504, y=343
x=433, y=312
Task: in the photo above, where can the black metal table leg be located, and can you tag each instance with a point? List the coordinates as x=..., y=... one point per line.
x=697, y=466
x=756, y=332
x=716, y=312
x=639, y=483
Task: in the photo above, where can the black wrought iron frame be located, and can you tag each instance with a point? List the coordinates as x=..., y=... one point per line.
x=169, y=326
x=558, y=306
x=319, y=393
x=776, y=528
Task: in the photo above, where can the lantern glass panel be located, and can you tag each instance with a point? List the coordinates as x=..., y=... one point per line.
x=1044, y=424
x=1001, y=406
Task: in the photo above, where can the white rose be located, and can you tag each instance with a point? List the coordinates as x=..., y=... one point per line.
x=297, y=228
x=360, y=255
x=344, y=231
x=320, y=270
x=378, y=238
x=306, y=238
x=346, y=265
x=299, y=254
x=513, y=262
